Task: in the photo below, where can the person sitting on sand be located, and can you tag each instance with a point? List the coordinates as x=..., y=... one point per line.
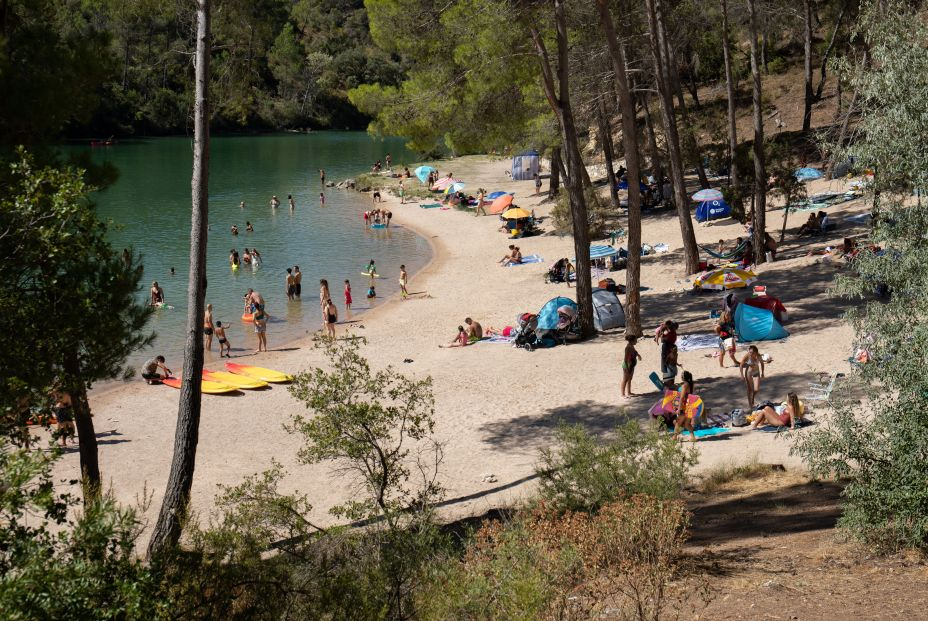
x=371, y=291
x=150, y=370
x=812, y=225
x=505, y=331
x=629, y=362
x=787, y=413
x=474, y=329
x=460, y=340
x=507, y=259
x=157, y=294
x=406, y=173
x=770, y=244
x=683, y=420
x=223, y=341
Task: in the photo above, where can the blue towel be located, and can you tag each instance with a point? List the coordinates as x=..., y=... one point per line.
x=430, y=206
x=771, y=429
x=532, y=258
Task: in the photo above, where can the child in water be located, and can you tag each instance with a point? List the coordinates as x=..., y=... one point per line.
x=371, y=292
x=347, y=294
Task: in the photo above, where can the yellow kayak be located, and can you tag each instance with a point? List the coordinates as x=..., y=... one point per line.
x=207, y=387
x=268, y=375
x=239, y=381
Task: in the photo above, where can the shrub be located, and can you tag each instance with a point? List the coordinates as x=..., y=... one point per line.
x=581, y=474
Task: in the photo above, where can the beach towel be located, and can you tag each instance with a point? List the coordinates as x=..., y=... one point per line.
x=862, y=218
x=430, y=205
x=702, y=432
x=505, y=340
x=532, y=258
x=805, y=422
x=661, y=248
x=692, y=342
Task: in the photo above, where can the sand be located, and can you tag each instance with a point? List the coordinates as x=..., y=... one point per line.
x=496, y=406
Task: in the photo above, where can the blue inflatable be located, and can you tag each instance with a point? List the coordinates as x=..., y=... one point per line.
x=547, y=316
x=757, y=324
x=712, y=210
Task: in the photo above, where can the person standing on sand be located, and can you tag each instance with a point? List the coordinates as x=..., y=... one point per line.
x=64, y=415
x=388, y=160
x=223, y=340
x=537, y=184
x=402, y=191
x=208, y=326
x=347, y=294
x=481, y=197
x=404, y=280
x=297, y=281
x=288, y=284
x=752, y=370
x=629, y=362
x=260, y=321
x=330, y=318
x=725, y=328
x=291, y=202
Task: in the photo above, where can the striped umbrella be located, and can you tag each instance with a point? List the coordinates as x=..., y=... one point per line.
x=707, y=195
x=725, y=278
x=457, y=186
x=443, y=183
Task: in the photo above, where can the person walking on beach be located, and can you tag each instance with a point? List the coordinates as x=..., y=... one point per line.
x=537, y=184
x=297, y=281
x=223, y=341
x=347, y=294
x=752, y=371
x=629, y=362
x=208, y=326
x=260, y=321
x=291, y=202
x=330, y=317
x=157, y=294
x=725, y=328
x=404, y=280
x=402, y=191
x=481, y=198
x=322, y=177
x=288, y=284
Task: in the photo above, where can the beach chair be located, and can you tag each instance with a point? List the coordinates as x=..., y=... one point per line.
x=734, y=253
x=819, y=391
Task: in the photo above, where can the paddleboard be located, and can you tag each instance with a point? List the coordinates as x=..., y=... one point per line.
x=268, y=375
x=656, y=380
x=368, y=274
x=206, y=386
x=239, y=381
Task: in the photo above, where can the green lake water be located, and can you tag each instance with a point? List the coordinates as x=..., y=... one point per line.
x=150, y=206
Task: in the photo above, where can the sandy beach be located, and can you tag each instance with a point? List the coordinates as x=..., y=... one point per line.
x=496, y=405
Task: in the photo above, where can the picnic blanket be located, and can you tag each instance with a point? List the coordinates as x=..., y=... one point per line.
x=532, y=258
x=504, y=340
x=692, y=342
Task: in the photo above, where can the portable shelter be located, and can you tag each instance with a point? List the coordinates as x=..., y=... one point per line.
x=525, y=166
x=423, y=173
x=548, y=316
x=757, y=324
x=712, y=210
x=607, y=310
x=770, y=303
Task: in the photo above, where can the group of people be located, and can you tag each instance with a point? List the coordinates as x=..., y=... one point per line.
x=248, y=257
x=294, y=282
x=378, y=216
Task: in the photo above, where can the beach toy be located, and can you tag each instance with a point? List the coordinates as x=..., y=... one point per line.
x=669, y=403
x=206, y=386
x=378, y=226
x=239, y=381
x=268, y=375
x=371, y=275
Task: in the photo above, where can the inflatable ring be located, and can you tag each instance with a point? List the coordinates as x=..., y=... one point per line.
x=249, y=317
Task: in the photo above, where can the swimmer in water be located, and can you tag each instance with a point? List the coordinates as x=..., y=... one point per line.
x=235, y=229
x=249, y=227
x=291, y=202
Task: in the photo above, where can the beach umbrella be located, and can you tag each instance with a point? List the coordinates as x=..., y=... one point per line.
x=457, y=186
x=808, y=174
x=600, y=251
x=443, y=183
x=497, y=194
x=707, y=195
x=725, y=278
x=423, y=172
x=516, y=213
x=500, y=204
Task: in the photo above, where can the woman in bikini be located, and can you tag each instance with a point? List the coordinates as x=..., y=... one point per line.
x=64, y=414
x=324, y=294
x=208, y=327
x=752, y=370
x=780, y=415
x=628, y=365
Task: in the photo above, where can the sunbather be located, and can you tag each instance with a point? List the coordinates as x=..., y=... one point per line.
x=508, y=259
x=474, y=329
x=812, y=225
x=506, y=331
x=787, y=413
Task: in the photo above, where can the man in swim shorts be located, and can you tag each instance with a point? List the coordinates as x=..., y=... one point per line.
x=474, y=330
x=297, y=281
x=223, y=340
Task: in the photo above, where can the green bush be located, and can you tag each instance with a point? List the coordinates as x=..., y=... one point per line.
x=581, y=473
x=777, y=65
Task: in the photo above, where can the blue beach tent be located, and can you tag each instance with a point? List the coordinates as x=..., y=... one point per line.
x=547, y=316
x=808, y=174
x=712, y=210
x=757, y=324
x=525, y=166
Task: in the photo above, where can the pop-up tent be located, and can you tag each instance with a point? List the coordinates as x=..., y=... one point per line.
x=712, y=210
x=525, y=166
x=757, y=324
x=774, y=305
x=548, y=317
x=607, y=310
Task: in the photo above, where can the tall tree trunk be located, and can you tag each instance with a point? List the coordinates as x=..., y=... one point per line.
x=657, y=165
x=554, y=182
x=829, y=50
x=807, y=75
x=730, y=87
x=633, y=163
x=760, y=174
x=89, y=452
x=177, y=495
x=689, y=135
x=662, y=77
x=559, y=99
x=605, y=133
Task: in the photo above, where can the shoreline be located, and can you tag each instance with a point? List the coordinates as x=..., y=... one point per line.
x=495, y=406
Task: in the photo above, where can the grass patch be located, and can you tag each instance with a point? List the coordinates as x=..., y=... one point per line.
x=719, y=476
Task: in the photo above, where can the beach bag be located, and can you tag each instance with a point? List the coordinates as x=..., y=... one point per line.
x=738, y=419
